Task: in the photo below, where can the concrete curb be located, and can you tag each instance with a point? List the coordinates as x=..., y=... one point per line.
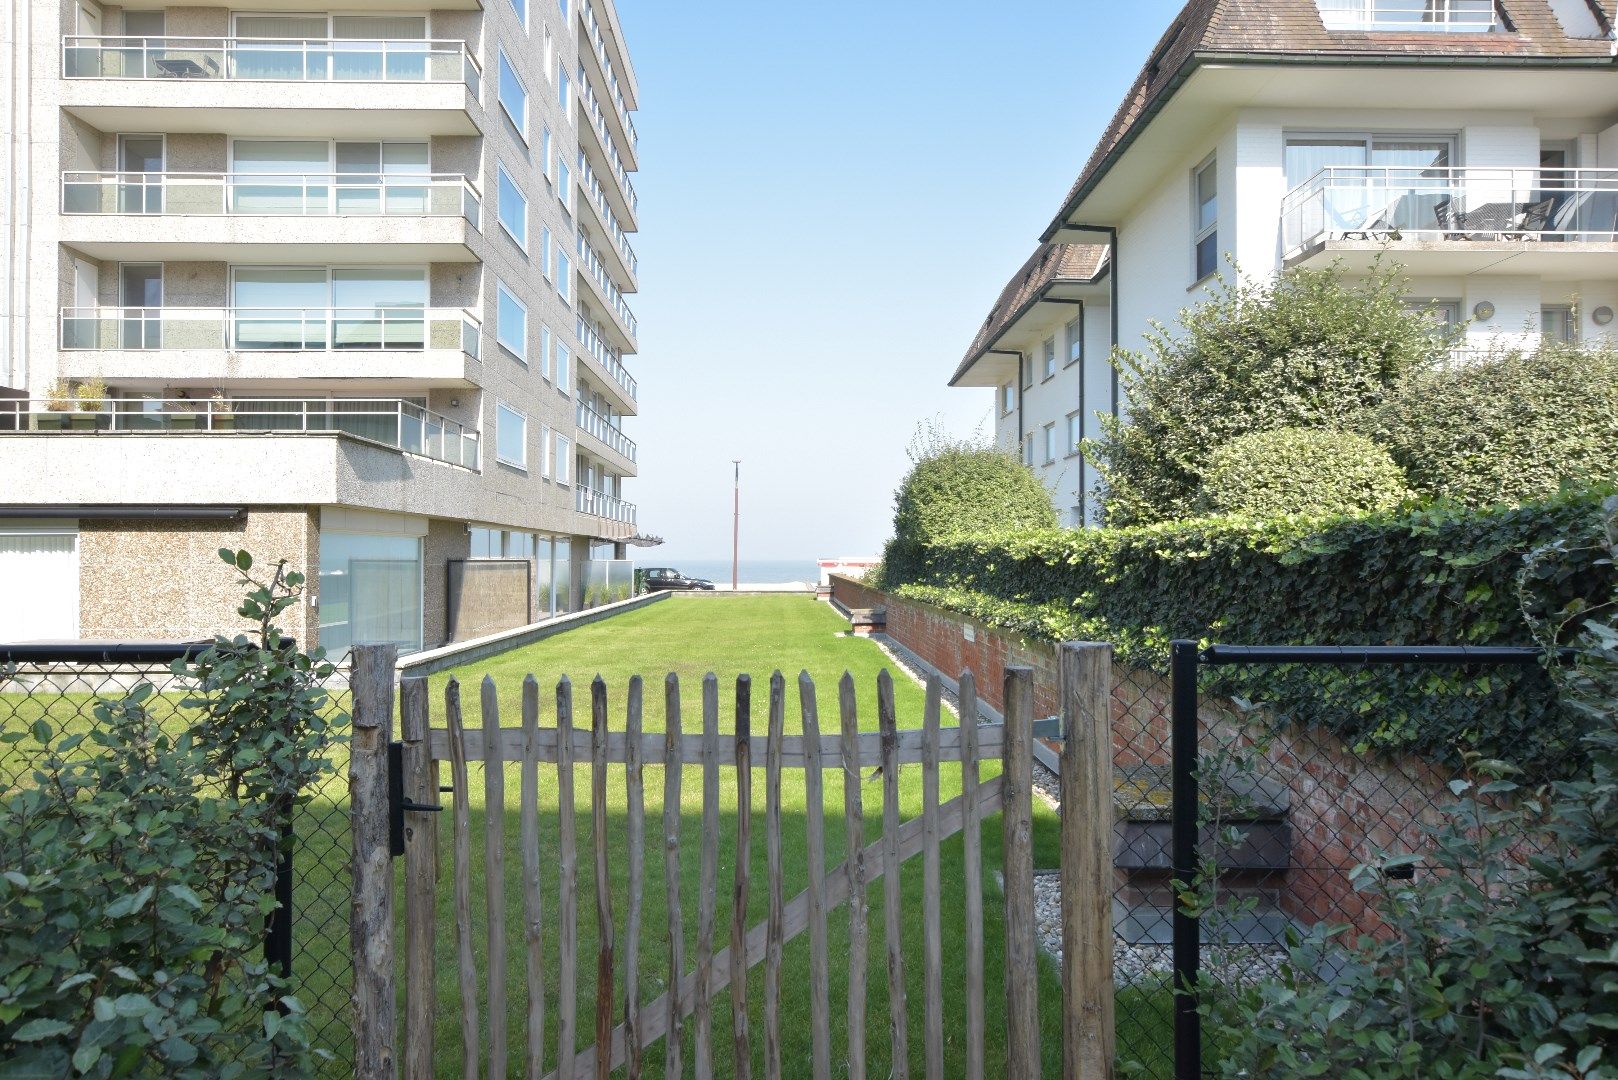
x=433, y=661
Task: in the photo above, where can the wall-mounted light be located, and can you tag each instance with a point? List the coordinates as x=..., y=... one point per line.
x=1483, y=311
x=1602, y=315
x=455, y=403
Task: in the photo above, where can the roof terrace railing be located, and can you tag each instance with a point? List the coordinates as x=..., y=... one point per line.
x=1411, y=16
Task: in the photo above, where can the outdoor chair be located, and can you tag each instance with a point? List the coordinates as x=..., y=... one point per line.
x=1533, y=221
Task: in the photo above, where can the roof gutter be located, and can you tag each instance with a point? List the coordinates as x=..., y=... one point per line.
x=1038, y=298
x=1197, y=60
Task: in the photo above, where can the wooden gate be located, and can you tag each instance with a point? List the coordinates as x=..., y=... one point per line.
x=623, y=1024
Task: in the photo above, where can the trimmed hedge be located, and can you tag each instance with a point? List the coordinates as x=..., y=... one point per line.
x=960, y=489
x=1301, y=471
x=1434, y=575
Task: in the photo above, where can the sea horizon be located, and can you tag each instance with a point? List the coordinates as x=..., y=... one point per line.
x=751, y=571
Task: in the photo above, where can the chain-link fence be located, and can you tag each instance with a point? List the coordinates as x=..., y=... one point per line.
x=61, y=684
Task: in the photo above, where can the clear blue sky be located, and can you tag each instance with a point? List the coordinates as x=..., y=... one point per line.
x=832, y=194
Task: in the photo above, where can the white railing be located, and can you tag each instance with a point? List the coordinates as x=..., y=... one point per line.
x=601, y=505
x=1417, y=16
x=598, y=39
x=401, y=424
x=278, y=195
x=592, y=186
x=594, y=424
x=239, y=59
x=591, y=262
x=598, y=123
x=1464, y=204
x=605, y=355
x=404, y=329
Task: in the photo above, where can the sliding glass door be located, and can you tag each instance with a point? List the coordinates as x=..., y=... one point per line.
x=312, y=308
x=362, y=48
x=295, y=176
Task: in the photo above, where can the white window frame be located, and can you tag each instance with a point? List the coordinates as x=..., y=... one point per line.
x=1047, y=353
x=561, y=465
x=1075, y=432
x=564, y=93
x=521, y=8
x=501, y=409
x=1075, y=337
x=564, y=186
x=545, y=150
x=545, y=451
x=1050, y=443
x=500, y=172
x=1028, y=449
x=545, y=352
x=564, y=368
x=1200, y=233
x=518, y=349
x=1008, y=397
x=503, y=67
x=564, y=275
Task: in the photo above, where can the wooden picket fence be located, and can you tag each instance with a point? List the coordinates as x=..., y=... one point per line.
x=624, y=1025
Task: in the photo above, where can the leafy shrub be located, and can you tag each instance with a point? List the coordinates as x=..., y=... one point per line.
x=1507, y=428
x=1300, y=471
x=956, y=488
x=140, y=866
x=1306, y=350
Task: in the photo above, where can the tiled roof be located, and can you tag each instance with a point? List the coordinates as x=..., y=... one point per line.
x=1211, y=28
x=1050, y=264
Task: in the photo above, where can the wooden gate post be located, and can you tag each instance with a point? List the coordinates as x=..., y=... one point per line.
x=1086, y=798
x=421, y=881
x=1017, y=823
x=370, y=922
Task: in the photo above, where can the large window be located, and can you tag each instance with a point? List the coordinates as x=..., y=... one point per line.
x=564, y=275
x=564, y=369
x=564, y=186
x=563, y=91
x=513, y=209
x=501, y=543
x=301, y=308
x=510, y=436
x=1558, y=324
x=1205, y=223
x=1411, y=155
x=370, y=590
x=1075, y=338
x=562, y=459
x=513, y=96
x=319, y=176
x=1050, y=443
x=511, y=323
x=1008, y=398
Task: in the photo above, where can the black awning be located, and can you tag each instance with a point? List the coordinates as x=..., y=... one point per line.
x=115, y=510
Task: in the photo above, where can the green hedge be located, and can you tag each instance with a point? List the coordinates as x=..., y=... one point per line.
x=1301, y=471
x=1434, y=575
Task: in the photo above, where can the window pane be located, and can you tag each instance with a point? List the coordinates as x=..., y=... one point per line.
x=402, y=288
x=1306, y=157
x=564, y=271
x=370, y=590
x=511, y=323
x=563, y=460
x=1075, y=340
x=513, y=210
x=1207, y=196
x=510, y=436
x=513, y=97
x=564, y=369
x=1207, y=255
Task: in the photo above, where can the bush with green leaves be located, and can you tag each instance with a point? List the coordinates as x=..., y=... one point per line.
x=1315, y=472
x=1306, y=350
x=139, y=867
x=960, y=487
x=1506, y=428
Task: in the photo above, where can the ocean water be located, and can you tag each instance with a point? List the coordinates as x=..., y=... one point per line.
x=753, y=571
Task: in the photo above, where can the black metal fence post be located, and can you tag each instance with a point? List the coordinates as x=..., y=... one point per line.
x=1186, y=929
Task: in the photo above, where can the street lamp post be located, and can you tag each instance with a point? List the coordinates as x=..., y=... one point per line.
x=736, y=527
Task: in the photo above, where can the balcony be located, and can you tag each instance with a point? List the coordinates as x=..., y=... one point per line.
x=391, y=422
x=598, y=43
x=601, y=505
x=609, y=361
x=213, y=216
x=1562, y=222
x=387, y=87
x=591, y=266
x=596, y=195
x=1410, y=16
x=595, y=425
x=590, y=106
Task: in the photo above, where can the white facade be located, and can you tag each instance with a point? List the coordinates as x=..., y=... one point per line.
x=374, y=259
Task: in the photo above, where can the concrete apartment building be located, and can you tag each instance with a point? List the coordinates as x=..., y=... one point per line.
x=1472, y=142
x=346, y=288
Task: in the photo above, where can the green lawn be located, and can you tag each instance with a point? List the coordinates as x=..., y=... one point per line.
x=729, y=636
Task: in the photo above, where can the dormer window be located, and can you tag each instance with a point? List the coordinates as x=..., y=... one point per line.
x=1411, y=16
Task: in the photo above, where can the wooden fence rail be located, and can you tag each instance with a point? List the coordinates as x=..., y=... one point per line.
x=623, y=1025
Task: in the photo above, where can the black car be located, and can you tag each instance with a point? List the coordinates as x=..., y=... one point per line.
x=664, y=578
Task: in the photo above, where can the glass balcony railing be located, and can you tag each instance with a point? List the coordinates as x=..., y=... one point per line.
x=281, y=195
x=596, y=194
x=394, y=422
x=590, y=262
x=605, y=355
x=1473, y=204
x=596, y=425
x=407, y=60
x=1410, y=16
x=601, y=505
x=406, y=329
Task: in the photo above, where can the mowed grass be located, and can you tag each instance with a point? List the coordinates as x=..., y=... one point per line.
x=728, y=636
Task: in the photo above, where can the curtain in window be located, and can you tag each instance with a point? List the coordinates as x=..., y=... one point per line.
x=255, y=57
x=359, y=53
x=279, y=307
x=303, y=163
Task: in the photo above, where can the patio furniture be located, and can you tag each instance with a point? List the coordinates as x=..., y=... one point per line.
x=183, y=68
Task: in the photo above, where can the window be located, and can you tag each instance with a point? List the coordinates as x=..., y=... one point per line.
x=1444, y=314
x=1025, y=368
x=379, y=307
x=510, y=436
x=292, y=176
x=1008, y=398
x=1558, y=324
x=513, y=96
x=511, y=323
x=545, y=351
x=564, y=275
x=564, y=187
x=1075, y=338
x=1075, y=432
x=561, y=460
x=1048, y=358
x=544, y=451
x=563, y=5
x=1205, y=218
x=521, y=8
x=370, y=590
x=545, y=251
x=1050, y=443
x=1409, y=16
x=564, y=369
x=545, y=151
x=562, y=90
x=1028, y=450
x=501, y=543
x=513, y=209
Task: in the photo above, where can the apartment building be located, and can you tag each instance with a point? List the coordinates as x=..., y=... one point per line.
x=343, y=287
x=1472, y=142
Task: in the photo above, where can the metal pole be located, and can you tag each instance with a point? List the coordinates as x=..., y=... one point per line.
x=736, y=528
x=1186, y=929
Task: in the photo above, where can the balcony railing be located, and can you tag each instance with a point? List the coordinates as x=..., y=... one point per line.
x=592, y=186
x=1412, y=16
x=591, y=263
x=397, y=423
x=598, y=121
x=606, y=356
x=407, y=329
x=1482, y=203
x=601, y=505
x=281, y=195
x=270, y=59
x=595, y=424
x=593, y=28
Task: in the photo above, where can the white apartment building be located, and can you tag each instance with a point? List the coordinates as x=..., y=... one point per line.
x=1472, y=142
x=342, y=287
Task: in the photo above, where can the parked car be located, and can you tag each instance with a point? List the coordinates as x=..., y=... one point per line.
x=666, y=578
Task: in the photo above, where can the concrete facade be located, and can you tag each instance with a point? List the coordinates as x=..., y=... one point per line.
x=531, y=98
